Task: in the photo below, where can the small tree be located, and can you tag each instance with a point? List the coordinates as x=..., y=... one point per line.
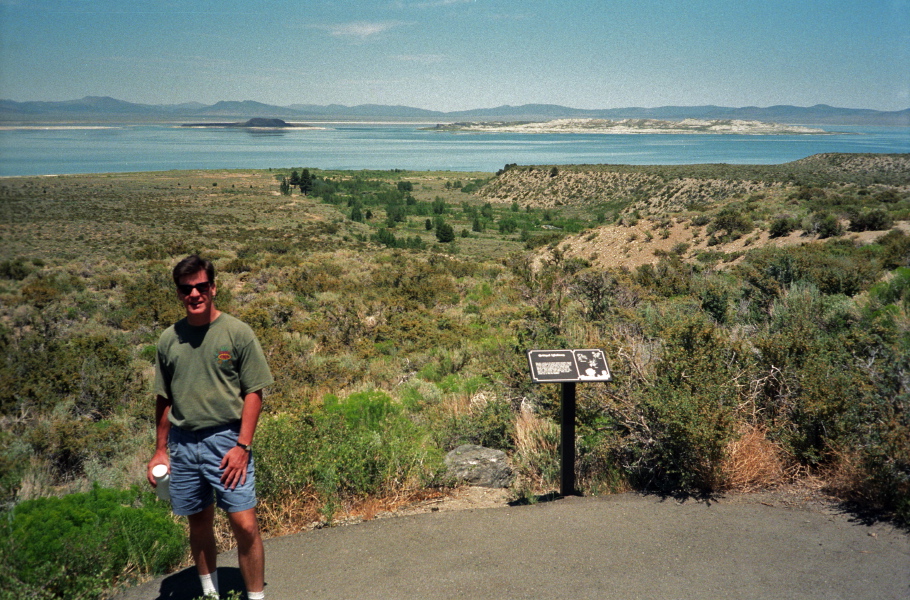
x=508, y=225
x=445, y=233
x=306, y=182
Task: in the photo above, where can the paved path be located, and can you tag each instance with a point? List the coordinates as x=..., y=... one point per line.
x=626, y=547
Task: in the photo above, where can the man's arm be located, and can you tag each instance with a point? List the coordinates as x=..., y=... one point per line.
x=236, y=460
x=162, y=427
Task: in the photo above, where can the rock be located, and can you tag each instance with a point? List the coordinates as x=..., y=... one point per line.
x=260, y=122
x=476, y=465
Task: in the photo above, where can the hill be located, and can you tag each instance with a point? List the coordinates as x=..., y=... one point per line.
x=660, y=211
x=104, y=108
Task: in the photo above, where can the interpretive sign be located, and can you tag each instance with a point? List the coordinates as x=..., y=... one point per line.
x=568, y=367
x=559, y=366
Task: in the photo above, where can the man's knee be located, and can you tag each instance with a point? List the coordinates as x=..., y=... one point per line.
x=202, y=520
x=245, y=526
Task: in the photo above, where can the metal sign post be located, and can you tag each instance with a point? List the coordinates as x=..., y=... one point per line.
x=568, y=367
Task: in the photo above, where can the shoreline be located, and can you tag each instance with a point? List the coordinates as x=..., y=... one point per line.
x=636, y=126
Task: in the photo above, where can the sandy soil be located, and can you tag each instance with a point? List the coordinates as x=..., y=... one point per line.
x=632, y=246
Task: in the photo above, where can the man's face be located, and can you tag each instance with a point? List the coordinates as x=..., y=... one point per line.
x=199, y=305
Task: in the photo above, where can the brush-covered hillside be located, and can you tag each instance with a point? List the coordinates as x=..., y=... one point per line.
x=756, y=320
x=713, y=213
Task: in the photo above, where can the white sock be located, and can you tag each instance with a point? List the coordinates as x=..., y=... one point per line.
x=209, y=583
x=256, y=595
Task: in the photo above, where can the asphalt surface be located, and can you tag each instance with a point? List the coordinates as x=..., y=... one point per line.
x=627, y=547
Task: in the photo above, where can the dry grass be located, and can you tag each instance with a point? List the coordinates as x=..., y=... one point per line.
x=533, y=434
x=290, y=514
x=536, y=451
x=848, y=478
x=367, y=509
x=753, y=462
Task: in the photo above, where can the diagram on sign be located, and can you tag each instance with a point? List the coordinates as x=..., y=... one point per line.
x=592, y=365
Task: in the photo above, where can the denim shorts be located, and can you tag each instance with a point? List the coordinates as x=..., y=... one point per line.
x=196, y=471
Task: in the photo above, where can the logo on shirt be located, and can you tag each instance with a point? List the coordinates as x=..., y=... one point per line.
x=224, y=355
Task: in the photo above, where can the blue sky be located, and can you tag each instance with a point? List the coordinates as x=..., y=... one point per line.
x=460, y=54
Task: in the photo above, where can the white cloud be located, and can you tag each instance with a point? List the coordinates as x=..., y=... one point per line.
x=428, y=4
x=438, y=3
x=360, y=29
x=425, y=59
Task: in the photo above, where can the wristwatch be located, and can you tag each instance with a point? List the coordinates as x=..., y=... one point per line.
x=246, y=447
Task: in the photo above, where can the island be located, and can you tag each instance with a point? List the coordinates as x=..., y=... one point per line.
x=256, y=123
x=629, y=126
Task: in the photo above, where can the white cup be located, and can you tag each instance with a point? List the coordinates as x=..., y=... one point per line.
x=162, y=480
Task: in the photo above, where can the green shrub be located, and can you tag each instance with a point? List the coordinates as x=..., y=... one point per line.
x=363, y=410
x=76, y=546
x=732, y=221
x=14, y=269
x=597, y=465
x=149, y=299
x=782, y=226
x=491, y=425
x=92, y=371
x=895, y=249
x=715, y=297
x=669, y=277
x=825, y=225
x=874, y=220
x=687, y=415
x=894, y=290
x=363, y=445
x=813, y=404
x=834, y=268
x=884, y=451
x=46, y=288
x=701, y=220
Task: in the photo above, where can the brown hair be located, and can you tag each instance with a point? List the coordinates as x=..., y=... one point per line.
x=192, y=265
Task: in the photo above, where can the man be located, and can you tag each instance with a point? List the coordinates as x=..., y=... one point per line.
x=209, y=377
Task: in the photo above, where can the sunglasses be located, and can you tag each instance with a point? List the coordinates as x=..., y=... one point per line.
x=187, y=289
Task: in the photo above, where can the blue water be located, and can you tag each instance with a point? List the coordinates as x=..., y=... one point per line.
x=131, y=148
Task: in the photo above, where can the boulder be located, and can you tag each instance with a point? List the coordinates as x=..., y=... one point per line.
x=476, y=465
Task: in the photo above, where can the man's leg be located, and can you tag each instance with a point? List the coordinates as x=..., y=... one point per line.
x=202, y=540
x=250, y=551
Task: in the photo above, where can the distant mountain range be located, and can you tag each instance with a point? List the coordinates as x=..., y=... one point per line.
x=101, y=109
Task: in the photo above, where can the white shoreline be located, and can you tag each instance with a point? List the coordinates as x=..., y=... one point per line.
x=639, y=126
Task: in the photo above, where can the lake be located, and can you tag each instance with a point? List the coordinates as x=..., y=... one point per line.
x=131, y=148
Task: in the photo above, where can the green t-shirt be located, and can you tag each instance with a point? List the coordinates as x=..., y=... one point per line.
x=206, y=371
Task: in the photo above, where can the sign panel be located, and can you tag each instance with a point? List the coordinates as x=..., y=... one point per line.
x=558, y=366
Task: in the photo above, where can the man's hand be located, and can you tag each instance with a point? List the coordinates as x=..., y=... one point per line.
x=160, y=458
x=234, y=465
